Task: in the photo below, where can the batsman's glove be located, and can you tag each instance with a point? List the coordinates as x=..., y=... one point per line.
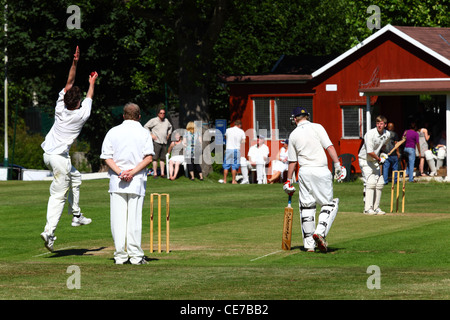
x=288, y=187
x=339, y=172
x=383, y=157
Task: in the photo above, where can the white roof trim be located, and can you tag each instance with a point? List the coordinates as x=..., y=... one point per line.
x=373, y=37
x=414, y=80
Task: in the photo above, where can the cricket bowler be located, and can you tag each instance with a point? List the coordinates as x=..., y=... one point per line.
x=70, y=116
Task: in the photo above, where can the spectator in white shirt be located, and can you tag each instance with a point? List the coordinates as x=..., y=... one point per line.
x=235, y=136
x=258, y=157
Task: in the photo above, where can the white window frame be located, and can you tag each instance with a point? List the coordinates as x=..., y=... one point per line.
x=361, y=120
x=268, y=135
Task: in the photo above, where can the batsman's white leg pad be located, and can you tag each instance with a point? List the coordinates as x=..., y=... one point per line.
x=326, y=217
x=308, y=225
x=370, y=192
x=378, y=190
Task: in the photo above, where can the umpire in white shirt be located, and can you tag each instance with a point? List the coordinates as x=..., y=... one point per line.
x=127, y=150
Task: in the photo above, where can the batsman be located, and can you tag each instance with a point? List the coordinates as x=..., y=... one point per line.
x=370, y=159
x=307, y=145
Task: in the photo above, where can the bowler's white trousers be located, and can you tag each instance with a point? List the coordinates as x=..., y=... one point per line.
x=126, y=226
x=66, y=180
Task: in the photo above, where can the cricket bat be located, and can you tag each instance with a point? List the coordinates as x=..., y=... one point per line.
x=287, y=226
x=398, y=144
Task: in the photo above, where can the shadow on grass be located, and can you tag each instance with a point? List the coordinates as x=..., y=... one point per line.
x=329, y=250
x=82, y=252
x=75, y=252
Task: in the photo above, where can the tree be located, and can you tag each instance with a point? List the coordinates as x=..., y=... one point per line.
x=195, y=26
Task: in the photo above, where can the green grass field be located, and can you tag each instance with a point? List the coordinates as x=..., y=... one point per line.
x=226, y=245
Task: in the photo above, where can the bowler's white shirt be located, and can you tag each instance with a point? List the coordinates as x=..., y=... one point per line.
x=127, y=144
x=259, y=155
x=234, y=137
x=67, y=126
x=307, y=143
x=373, y=142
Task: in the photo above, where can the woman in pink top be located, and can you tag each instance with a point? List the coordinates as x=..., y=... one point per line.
x=412, y=141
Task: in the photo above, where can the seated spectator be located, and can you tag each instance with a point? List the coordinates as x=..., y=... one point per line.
x=258, y=157
x=280, y=164
x=176, y=149
x=435, y=157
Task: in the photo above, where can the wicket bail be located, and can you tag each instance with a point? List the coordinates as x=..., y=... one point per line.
x=159, y=195
x=398, y=173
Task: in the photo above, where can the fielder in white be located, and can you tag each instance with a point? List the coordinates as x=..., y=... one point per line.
x=370, y=158
x=127, y=150
x=70, y=116
x=306, y=146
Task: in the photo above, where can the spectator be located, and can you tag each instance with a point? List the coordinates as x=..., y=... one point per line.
x=235, y=136
x=412, y=141
x=423, y=142
x=176, y=149
x=258, y=157
x=193, y=143
x=392, y=160
x=435, y=157
x=280, y=164
x=160, y=130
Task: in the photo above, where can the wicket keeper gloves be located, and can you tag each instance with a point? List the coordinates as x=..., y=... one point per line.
x=288, y=187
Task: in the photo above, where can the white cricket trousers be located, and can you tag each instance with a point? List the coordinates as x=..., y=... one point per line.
x=126, y=226
x=66, y=180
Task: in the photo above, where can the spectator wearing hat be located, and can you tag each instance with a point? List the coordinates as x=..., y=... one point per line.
x=280, y=164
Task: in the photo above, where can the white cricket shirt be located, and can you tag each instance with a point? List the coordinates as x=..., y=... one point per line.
x=307, y=143
x=127, y=144
x=67, y=126
x=373, y=142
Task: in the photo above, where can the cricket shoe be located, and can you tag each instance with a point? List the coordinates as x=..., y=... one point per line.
x=370, y=212
x=48, y=240
x=379, y=211
x=142, y=261
x=321, y=244
x=81, y=220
